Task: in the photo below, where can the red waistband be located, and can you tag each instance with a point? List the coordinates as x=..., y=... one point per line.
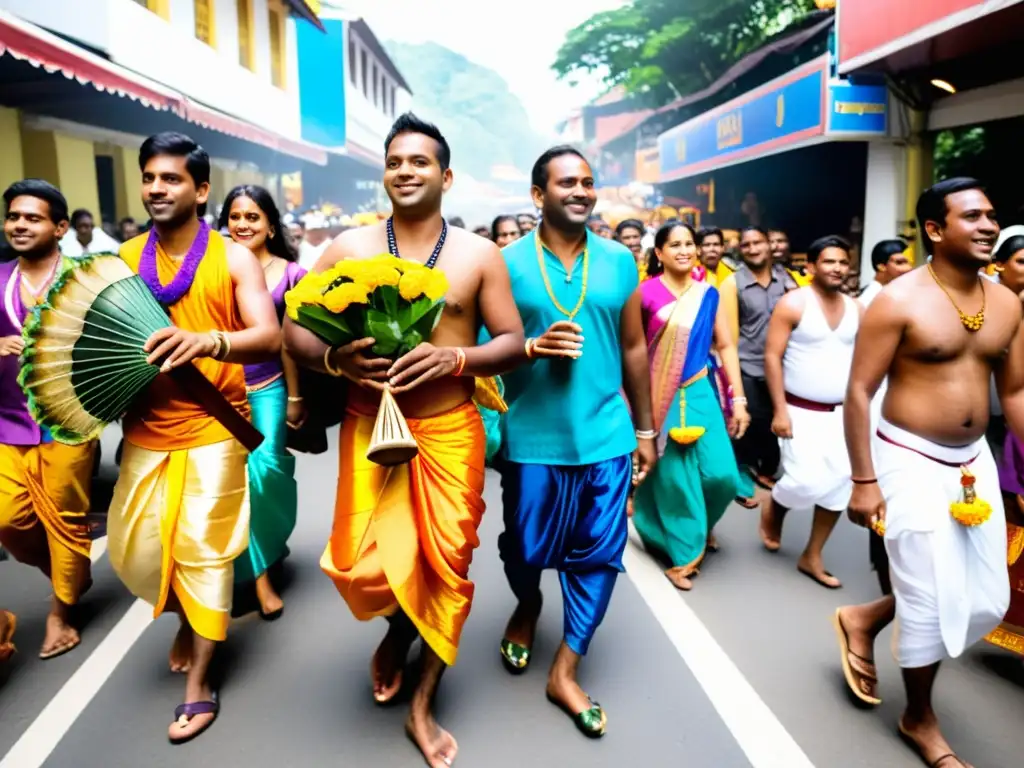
x=811, y=405
x=943, y=462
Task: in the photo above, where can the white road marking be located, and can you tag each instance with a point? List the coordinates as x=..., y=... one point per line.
x=42, y=737
x=764, y=740
x=99, y=548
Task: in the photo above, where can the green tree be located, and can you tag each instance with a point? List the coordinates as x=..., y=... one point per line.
x=957, y=151
x=662, y=49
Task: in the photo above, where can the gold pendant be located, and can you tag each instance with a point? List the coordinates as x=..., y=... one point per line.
x=972, y=323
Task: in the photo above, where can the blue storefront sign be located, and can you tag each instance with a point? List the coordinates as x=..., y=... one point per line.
x=322, y=65
x=799, y=108
x=857, y=109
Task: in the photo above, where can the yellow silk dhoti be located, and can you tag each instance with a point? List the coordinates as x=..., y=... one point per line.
x=177, y=520
x=404, y=536
x=44, y=497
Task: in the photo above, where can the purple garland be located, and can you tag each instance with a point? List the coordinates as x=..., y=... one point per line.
x=172, y=292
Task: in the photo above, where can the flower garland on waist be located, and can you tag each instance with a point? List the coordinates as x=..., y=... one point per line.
x=173, y=292
x=970, y=510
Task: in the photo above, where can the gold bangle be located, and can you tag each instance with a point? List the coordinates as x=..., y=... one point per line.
x=529, y=348
x=294, y=399
x=227, y=346
x=217, y=344
x=460, y=361
x=335, y=372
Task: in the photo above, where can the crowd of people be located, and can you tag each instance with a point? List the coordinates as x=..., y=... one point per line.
x=709, y=377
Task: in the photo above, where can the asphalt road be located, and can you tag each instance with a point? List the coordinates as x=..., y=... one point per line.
x=741, y=672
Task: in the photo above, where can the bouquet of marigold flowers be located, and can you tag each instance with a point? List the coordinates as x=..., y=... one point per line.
x=394, y=301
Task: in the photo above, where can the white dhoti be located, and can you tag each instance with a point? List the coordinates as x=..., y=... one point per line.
x=950, y=580
x=815, y=463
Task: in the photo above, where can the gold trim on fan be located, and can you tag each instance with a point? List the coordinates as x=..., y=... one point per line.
x=392, y=442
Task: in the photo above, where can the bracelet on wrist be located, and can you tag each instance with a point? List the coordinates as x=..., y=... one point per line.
x=647, y=434
x=331, y=370
x=864, y=480
x=739, y=401
x=530, y=343
x=217, y=344
x=294, y=399
x=460, y=361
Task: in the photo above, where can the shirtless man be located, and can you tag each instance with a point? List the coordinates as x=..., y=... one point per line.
x=376, y=560
x=807, y=359
x=939, y=333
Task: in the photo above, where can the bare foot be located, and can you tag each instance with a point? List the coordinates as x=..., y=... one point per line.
x=181, y=650
x=387, y=666
x=680, y=579
x=712, y=542
x=8, y=623
x=815, y=569
x=437, y=745
x=271, y=604
x=927, y=740
x=771, y=527
x=60, y=637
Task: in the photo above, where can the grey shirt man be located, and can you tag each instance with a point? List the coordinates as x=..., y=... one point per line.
x=756, y=304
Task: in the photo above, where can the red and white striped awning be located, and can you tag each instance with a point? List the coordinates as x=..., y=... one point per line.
x=27, y=42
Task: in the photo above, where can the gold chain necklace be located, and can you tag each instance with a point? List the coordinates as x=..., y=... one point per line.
x=972, y=323
x=547, y=283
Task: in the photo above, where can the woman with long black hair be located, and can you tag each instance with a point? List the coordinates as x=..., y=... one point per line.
x=253, y=220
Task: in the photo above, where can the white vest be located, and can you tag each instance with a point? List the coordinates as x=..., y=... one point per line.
x=817, y=362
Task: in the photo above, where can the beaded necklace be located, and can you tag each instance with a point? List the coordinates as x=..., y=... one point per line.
x=393, y=242
x=547, y=282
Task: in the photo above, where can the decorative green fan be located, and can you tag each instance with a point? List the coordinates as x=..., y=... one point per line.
x=84, y=364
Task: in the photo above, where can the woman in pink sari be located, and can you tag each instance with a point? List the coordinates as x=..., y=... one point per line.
x=696, y=478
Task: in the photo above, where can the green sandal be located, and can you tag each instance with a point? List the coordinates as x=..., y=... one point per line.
x=515, y=657
x=592, y=722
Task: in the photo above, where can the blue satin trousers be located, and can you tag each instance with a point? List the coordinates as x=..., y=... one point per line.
x=573, y=519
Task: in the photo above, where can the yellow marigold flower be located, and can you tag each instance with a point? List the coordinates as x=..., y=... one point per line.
x=971, y=513
x=374, y=276
x=437, y=285
x=686, y=435
x=413, y=284
x=339, y=298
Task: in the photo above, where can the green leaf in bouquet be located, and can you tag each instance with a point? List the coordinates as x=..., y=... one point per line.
x=427, y=322
x=328, y=326
x=387, y=298
x=385, y=329
x=410, y=313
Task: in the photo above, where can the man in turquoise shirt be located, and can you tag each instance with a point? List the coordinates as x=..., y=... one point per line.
x=569, y=436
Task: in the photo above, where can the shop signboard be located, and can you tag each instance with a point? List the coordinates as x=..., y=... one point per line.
x=857, y=110
x=322, y=74
x=779, y=115
x=864, y=38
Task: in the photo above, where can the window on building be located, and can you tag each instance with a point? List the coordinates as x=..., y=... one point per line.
x=204, y=21
x=392, y=101
x=375, y=79
x=246, y=44
x=363, y=69
x=278, y=61
x=159, y=7
x=352, y=62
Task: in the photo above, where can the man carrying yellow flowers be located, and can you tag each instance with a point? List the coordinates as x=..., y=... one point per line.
x=404, y=536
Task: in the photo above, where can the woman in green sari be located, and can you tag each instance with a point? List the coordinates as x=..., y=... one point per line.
x=696, y=478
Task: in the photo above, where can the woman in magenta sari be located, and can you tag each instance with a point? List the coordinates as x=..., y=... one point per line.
x=696, y=478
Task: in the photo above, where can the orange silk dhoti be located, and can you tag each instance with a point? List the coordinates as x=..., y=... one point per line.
x=404, y=536
x=1010, y=634
x=44, y=497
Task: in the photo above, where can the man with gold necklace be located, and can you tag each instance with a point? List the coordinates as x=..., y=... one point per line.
x=44, y=485
x=569, y=439
x=927, y=480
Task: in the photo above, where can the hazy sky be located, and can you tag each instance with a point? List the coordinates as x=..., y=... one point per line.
x=516, y=38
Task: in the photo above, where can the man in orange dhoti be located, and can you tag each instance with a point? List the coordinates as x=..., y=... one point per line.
x=44, y=486
x=404, y=536
x=180, y=512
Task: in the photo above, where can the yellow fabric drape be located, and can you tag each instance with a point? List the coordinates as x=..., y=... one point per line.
x=44, y=497
x=177, y=522
x=166, y=419
x=403, y=537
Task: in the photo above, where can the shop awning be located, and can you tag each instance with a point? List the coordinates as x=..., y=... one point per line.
x=307, y=9
x=27, y=42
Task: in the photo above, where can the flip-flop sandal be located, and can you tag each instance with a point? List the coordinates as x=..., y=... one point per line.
x=184, y=713
x=747, y=503
x=816, y=580
x=515, y=657
x=591, y=722
x=937, y=763
x=861, y=683
x=57, y=652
